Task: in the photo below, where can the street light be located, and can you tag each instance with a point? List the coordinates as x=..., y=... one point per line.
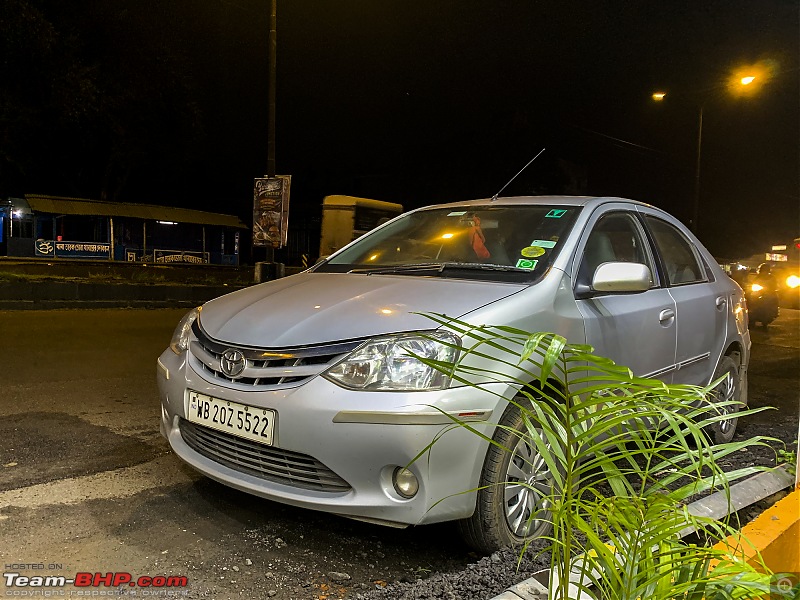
x=659, y=96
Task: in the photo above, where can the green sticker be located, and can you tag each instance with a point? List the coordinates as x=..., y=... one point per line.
x=543, y=243
x=523, y=263
x=532, y=251
x=556, y=213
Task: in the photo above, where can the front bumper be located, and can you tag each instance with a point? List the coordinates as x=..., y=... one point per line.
x=360, y=436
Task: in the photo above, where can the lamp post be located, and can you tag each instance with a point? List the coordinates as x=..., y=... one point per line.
x=696, y=202
x=659, y=97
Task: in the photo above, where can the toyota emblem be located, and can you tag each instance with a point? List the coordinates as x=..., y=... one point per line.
x=232, y=363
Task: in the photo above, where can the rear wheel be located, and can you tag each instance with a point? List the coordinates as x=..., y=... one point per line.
x=729, y=389
x=512, y=505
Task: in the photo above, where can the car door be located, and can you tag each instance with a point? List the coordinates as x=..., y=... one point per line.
x=634, y=329
x=701, y=308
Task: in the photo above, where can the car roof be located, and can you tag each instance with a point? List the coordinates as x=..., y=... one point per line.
x=540, y=200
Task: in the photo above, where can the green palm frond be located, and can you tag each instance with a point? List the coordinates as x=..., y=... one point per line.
x=637, y=446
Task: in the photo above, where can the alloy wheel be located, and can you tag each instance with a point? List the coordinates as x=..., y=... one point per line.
x=528, y=485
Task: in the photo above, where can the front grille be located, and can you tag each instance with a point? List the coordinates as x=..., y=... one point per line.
x=267, y=462
x=265, y=368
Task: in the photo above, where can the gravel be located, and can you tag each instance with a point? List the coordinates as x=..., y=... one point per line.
x=493, y=574
x=488, y=577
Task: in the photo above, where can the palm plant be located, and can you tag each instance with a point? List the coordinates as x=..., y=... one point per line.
x=621, y=455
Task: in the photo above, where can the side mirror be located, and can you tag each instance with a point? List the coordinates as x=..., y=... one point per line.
x=615, y=277
x=621, y=277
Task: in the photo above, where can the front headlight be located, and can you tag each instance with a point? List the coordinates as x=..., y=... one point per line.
x=180, y=339
x=793, y=281
x=756, y=287
x=388, y=363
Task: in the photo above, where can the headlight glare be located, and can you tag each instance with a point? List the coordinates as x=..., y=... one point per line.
x=180, y=339
x=390, y=363
x=756, y=287
x=793, y=281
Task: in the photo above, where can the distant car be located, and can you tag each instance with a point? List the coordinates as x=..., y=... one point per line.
x=762, y=295
x=787, y=275
x=301, y=390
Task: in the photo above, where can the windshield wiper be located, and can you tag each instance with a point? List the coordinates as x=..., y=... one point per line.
x=439, y=267
x=411, y=267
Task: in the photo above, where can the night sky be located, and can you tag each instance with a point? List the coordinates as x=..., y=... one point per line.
x=414, y=102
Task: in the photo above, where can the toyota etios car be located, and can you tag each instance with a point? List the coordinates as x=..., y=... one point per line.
x=302, y=390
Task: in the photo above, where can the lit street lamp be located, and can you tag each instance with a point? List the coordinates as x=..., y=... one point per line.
x=734, y=84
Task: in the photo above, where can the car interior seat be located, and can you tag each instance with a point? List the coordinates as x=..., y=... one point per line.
x=598, y=250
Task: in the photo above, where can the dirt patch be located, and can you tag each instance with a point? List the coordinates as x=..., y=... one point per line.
x=38, y=449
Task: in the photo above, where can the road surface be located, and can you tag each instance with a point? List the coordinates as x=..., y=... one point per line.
x=87, y=484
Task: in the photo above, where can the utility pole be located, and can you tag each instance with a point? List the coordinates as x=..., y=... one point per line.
x=273, y=41
x=696, y=204
x=273, y=62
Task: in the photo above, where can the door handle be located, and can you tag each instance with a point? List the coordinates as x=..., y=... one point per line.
x=721, y=302
x=666, y=315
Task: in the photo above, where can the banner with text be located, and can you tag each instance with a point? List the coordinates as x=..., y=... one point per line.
x=271, y=211
x=58, y=249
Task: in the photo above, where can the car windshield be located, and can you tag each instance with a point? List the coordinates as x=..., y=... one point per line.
x=508, y=243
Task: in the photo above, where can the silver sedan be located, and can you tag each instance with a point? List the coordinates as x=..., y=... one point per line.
x=304, y=390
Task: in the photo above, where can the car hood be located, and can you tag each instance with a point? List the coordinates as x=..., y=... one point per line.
x=315, y=308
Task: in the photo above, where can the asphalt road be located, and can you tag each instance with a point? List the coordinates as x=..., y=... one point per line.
x=87, y=484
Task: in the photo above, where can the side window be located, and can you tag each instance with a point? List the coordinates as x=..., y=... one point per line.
x=677, y=252
x=616, y=237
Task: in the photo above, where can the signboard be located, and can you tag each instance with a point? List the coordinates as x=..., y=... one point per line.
x=61, y=249
x=180, y=256
x=777, y=257
x=271, y=211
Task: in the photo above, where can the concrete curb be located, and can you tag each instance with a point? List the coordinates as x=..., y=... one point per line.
x=775, y=533
x=773, y=536
x=42, y=295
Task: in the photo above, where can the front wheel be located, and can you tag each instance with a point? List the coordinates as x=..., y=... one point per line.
x=513, y=499
x=729, y=389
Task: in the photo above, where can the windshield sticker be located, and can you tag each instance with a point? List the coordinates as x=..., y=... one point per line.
x=523, y=263
x=556, y=213
x=543, y=243
x=532, y=251
x=457, y=213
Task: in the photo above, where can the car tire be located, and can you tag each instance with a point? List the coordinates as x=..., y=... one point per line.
x=722, y=432
x=502, y=512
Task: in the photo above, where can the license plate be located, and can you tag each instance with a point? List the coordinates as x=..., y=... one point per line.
x=248, y=422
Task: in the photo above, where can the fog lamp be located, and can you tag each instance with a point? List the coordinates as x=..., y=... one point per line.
x=405, y=482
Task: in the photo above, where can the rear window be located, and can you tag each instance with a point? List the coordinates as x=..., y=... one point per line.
x=677, y=252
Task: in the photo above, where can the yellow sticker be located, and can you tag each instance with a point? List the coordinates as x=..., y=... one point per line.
x=532, y=251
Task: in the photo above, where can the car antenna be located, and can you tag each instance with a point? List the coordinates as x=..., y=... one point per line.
x=517, y=175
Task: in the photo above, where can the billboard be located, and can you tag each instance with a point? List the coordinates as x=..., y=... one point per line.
x=271, y=211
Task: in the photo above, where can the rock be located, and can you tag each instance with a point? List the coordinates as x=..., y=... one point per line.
x=248, y=562
x=337, y=576
x=271, y=593
x=235, y=568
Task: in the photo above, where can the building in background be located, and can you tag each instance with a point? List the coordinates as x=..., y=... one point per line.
x=55, y=227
